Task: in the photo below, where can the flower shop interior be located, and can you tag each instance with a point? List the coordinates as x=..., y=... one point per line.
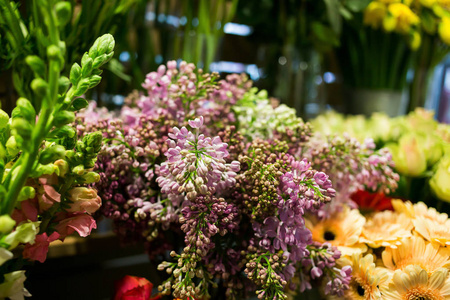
x=225, y=149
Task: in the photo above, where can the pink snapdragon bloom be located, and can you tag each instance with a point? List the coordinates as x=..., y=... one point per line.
x=38, y=250
x=84, y=200
x=47, y=195
x=28, y=211
x=81, y=223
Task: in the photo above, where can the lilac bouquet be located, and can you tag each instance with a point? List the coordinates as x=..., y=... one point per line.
x=220, y=177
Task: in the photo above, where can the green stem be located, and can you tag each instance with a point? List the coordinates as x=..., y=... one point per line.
x=422, y=68
x=26, y=162
x=20, y=173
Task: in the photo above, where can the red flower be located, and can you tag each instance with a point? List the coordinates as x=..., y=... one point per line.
x=134, y=288
x=370, y=202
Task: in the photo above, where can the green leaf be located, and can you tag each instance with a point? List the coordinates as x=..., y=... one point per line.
x=357, y=5
x=324, y=34
x=334, y=16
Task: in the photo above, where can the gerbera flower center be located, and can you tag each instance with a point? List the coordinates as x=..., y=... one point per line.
x=422, y=294
x=329, y=235
x=360, y=290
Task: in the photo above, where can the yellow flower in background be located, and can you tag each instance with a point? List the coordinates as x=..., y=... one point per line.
x=444, y=4
x=415, y=40
x=416, y=251
x=342, y=230
x=440, y=182
x=408, y=156
x=386, y=229
x=413, y=283
x=366, y=278
x=427, y=3
x=374, y=14
x=400, y=18
x=419, y=209
x=444, y=30
x=433, y=231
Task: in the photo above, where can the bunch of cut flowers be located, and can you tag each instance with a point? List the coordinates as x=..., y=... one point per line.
x=394, y=254
x=217, y=180
x=419, y=144
x=45, y=169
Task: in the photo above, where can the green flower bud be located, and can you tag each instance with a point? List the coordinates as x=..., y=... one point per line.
x=79, y=103
x=22, y=128
x=36, y=64
x=85, y=58
x=93, y=142
x=16, y=113
x=53, y=52
x=63, y=12
x=11, y=146
x=52, y=154
x=104, y=44
x=94, y=80
x=91, y=177
x=24, y=233
x=63, y=117
x=47, y=169
x=99, y=61
x=2, y=154
x=97, y=72
x=75, y=74
x=26, y=110
x=63, y=84
x=87, y=67
x=82, y=87
x=63, y=131
x=79, y=170
x=63, y=167
x=4, y=119
x=6, y=224
x=439, y=183
x=39, y=87
x=27, y=192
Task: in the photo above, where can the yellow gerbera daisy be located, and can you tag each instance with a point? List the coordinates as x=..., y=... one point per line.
x=342, y=230
x=416, y=251
x=386, y=229
x=419, y=210
x=366, y=278
x=413, y=283
x=433, y=231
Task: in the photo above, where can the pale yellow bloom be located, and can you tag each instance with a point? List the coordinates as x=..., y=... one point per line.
x=386, y=229
x=440, y=182
x=416, y=251
x=433, y=231
x=408, y=156
x=342, y=230
x=419, y=209
x=414, y=283
x=366, y=278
